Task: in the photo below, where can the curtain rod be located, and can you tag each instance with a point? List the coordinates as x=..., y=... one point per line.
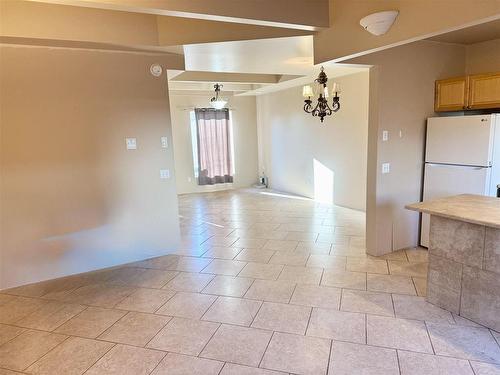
x=188, y=108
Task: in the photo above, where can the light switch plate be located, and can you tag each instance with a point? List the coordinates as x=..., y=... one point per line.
x=385, y=135
x=164, y=173
x=131, y=143
x=164, y=142
x=386, y=168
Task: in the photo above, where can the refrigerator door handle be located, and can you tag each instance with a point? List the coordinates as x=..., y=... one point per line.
x=476, y=168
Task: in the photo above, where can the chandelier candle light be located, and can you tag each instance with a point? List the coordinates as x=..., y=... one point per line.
x=216, y=102
x=322, y=109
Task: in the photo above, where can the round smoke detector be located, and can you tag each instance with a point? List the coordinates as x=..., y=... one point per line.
x=156, y=70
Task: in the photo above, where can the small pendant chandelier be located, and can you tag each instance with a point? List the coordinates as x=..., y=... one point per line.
x=216, y=102
x=322, y=109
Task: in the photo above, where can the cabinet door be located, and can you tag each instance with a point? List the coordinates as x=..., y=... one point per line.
x=451, y=94
x=484, y=91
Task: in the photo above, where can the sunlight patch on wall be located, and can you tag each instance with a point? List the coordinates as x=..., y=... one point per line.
x=323, y=183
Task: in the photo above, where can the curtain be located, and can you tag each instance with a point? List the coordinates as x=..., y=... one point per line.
x=214, y=147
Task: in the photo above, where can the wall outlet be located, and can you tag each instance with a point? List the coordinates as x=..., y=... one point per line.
x=386, y=168
x=164, y=142
x=131, y=143
x=164, y=173
x=189, y=179
x=385, y=135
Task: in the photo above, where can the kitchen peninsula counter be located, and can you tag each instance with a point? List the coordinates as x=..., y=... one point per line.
x=464, y=256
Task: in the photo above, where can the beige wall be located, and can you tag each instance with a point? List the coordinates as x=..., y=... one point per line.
x=483, y=57
x=243, y=112
x=401, y=98
x=72, y=198
x=290, y=140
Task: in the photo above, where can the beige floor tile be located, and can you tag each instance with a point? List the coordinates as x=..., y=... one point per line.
x=233, y=311
x=150, y=278
x=101, y=295
x=178, y=364
x=297, y=354
x=418, y=254
x=17, y=308
x=390, y=284
x=280, y=245
x=188, y=264
x=273, y=291
x=420, y=285
x=418, y=269
x=396, y=333
x=28, y=347
x=289, y=258
x=127, y=360
x=366, y=265
x=7, y=333
x=228, y=286
x=427, y=364
x=187, y=305
x=5, y=298
x=261, y=271
x=472, y=343
x=481, y=368
x=282, y=317
x=162, y=262
x=346, y=251
x=349, y=359
x=461, y=321
x=337, y=325
x=367, y=302
x=91, y=322
x=189, y=282
x=219, y=241
x=252, y=243
x=410, y=307
x=135, y=328
x=255, y=255
x=72, y=357
x=331, y=262
x=4, y=371
x=344, y=279
x=184, y=336
x=316, y=296
x=312, y=247
x=224, y=267
x=50, y=316
x=47, y=288
x=232, y=369
x=395, y=255
x=301, y=275
x=145, y=300
x=240, y=345
x=301, y=236
x=222, y=252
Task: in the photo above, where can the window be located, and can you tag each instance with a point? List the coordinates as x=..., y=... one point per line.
x=212, y=142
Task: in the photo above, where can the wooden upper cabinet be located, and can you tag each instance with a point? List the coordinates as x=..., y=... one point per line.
x=479, y=91
x=484, y=91
x=451, y=94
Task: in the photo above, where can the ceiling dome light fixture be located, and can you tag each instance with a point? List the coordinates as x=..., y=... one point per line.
x=322, y=109
x=216, y=102
x=379, y=23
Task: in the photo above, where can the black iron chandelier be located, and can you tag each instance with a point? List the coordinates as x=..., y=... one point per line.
x=322, y=109
x=217, y=102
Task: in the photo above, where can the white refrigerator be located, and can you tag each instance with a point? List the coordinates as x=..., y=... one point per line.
x=462, y=155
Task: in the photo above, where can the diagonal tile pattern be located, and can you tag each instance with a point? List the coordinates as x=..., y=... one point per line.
x=261, y=284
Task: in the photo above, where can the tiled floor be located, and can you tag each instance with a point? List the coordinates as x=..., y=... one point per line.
x=261, y=284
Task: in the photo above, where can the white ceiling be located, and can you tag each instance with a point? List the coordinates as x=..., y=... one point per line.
x=293, y=56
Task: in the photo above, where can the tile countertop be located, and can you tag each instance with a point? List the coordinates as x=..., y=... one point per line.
x=476, y=209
